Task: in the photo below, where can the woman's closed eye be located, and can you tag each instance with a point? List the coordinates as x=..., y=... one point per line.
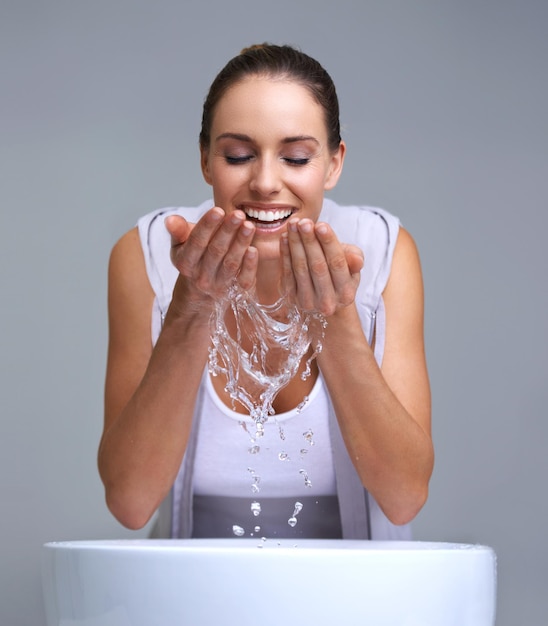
x=296, y=161
x=238, y=160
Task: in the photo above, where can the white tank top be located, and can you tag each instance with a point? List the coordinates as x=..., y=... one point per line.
x=292, y=458
x=375, y=231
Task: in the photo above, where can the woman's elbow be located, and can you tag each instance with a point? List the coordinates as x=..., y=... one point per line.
x=131, y=513
x=406, y=509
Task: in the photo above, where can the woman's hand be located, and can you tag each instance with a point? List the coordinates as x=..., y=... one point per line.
x=211, y=254
x=319, y=273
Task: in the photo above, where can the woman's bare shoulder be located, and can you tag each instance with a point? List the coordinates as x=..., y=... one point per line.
x=127, y=250
x=405, y=273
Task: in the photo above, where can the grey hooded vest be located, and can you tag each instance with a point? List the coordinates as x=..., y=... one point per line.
x=375, y=231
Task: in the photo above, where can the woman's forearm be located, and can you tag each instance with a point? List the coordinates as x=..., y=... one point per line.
x=141, y=452
x=390, y=449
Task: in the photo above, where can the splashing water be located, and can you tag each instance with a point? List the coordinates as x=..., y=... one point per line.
x=292, y=521
x=256, y=480
x=309, y=437
x=265, y=354
x=261, y=356
x=307, y=481
x=238, y=530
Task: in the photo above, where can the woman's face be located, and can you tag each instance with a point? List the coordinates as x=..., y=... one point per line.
x=269, y=156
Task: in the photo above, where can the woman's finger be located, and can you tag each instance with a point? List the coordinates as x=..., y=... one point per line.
x=344, y=262
x=178, y=228
x=314, y=287
x=227, y=248
x=288, y=283
x=354, y=258
x=248, y=269
x=186, y=253
x=213, y=252
x=325, y=272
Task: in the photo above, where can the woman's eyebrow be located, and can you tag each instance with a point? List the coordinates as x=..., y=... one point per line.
x=237, y=136
x=247, y=138
x=300, y=138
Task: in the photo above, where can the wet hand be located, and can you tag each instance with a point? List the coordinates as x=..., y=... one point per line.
x=212, y=253
x=319, y=272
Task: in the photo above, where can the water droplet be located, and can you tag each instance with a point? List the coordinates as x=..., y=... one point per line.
x=292, y=521
x=283, y=456
x=256, y=508
x=308, y=435
x=307, y=482
x=254, y=450
x=282, y=433
x=238, y=530
x=304, y=451
x=257, y=529
x=256, y=480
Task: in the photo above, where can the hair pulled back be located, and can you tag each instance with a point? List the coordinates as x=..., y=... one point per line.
x=280, y=62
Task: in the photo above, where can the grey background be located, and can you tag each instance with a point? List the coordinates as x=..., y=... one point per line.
x=444, y=111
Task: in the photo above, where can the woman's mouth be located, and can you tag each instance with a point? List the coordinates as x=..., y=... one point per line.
x=267, y=217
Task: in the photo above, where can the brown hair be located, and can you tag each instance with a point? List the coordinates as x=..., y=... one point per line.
x=275, y=61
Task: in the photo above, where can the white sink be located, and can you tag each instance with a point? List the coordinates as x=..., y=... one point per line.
x=249, y=582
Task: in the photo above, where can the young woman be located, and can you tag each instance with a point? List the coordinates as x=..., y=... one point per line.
x=173, y=439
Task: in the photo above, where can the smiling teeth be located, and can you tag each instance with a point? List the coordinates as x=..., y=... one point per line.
x=268, y=216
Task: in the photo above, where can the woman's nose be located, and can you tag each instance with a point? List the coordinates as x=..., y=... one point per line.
x=265, y=177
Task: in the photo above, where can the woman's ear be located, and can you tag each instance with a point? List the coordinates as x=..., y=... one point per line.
x=204, y=164
x=335, y=167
